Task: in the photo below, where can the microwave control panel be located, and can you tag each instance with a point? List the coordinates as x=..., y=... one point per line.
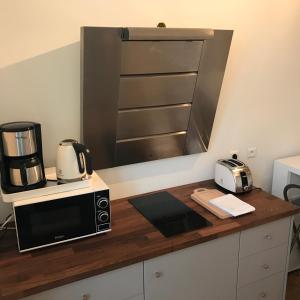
x=102, y=210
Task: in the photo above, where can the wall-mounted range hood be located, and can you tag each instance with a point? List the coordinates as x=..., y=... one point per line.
x=149, y=93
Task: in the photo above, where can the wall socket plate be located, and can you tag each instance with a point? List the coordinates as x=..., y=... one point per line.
x=252, y=151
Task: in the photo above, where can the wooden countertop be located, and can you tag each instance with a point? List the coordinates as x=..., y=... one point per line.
x=132, y=239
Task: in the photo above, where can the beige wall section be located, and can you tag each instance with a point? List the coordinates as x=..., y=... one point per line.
x=259, y=102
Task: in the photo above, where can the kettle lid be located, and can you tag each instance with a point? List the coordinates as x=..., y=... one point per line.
x=67, y=142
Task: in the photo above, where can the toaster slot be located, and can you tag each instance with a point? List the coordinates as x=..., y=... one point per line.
x=236, y=162
x=228, y=163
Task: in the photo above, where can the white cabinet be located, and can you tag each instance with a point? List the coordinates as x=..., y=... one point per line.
x=251, y=264
x=207, y=271
x=121, y=284
x=263, y=258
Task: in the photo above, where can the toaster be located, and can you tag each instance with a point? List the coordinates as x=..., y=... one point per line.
x=233, y=175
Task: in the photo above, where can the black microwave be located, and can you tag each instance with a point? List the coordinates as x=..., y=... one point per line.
x=62, y=217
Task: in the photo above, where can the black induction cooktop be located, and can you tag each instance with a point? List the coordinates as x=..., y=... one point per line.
x=169, y=215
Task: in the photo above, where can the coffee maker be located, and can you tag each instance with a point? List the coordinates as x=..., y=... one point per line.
x=21, y=157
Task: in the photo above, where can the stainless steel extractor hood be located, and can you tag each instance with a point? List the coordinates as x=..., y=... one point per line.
x=149, y=93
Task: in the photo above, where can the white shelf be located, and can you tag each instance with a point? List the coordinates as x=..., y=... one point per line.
x=50, y=188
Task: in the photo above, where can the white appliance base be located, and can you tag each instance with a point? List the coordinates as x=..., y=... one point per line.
x=51, y=188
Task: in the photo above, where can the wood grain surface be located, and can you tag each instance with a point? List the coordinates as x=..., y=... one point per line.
x=203, y=196
x=132, y=239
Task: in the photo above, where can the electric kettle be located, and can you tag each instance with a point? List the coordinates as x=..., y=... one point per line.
x=73, y=161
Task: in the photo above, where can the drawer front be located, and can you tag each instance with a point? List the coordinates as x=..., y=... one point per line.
x=150, y=148
x=121, y=284
x=270, y=288
x=265, y=236
x=159, y=120
x=160, y=57
x=262, y=265
x=147, y=91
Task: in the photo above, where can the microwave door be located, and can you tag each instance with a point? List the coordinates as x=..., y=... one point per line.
x=54, y=221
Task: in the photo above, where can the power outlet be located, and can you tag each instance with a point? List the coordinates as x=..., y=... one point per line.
x=252, y=151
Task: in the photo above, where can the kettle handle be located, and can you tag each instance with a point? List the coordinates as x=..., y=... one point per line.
x=79, y=148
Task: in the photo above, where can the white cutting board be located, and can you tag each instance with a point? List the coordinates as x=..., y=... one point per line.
x=232, y=205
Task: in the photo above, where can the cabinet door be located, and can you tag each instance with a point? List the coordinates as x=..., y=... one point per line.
x=121, y=284
x=207, y=271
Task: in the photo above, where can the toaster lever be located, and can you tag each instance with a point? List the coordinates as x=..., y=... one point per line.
x=244, y=181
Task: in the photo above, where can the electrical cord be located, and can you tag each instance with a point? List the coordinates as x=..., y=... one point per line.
x=4, y=226
x=7, y=219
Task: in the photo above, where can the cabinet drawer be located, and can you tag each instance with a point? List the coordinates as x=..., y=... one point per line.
x=269, y=288
x=150, y=57
x=147, y=91
x=265, y=236
x=121, y=284
x=135, y=150
x=262, y=265
x=150, y=121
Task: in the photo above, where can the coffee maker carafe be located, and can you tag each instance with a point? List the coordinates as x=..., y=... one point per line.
x=22, y=166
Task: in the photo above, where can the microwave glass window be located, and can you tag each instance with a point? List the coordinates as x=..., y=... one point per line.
x=55, y=220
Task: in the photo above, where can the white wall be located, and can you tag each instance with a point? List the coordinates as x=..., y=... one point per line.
x=259, y=102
